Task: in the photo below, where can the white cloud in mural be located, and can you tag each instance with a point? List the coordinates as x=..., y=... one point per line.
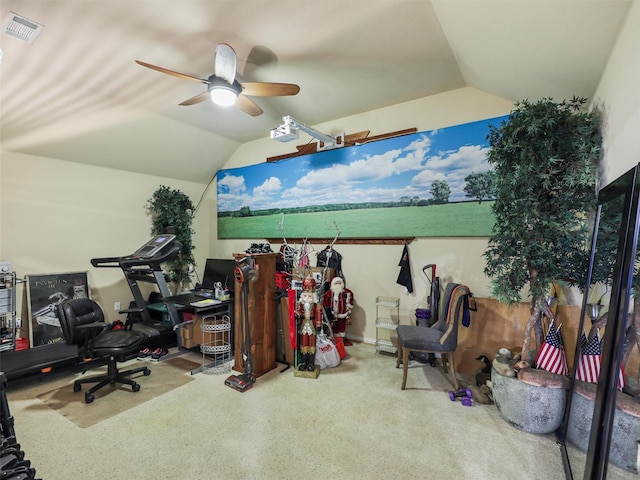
x=371, y=174
x=232, y=193
x=270, y=186
x=231, y=183
x=370, y=168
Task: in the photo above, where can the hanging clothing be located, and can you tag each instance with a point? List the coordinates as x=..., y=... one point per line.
x=404, y=278
x=331, y=259
x=466, y=314
x=285, y=258
x=303, y=263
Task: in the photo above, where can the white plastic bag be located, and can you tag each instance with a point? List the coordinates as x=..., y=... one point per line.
x=327, y=355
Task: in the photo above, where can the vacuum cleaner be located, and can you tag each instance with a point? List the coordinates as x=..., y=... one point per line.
x=245, y=271
x=431, y=315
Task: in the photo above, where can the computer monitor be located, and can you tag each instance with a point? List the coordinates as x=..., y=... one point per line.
x=219, y=270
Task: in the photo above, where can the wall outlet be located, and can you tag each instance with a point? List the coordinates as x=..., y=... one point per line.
x=116, y=306
x=18, y=322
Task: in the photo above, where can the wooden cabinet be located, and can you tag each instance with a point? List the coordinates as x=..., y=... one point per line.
x=262, y=316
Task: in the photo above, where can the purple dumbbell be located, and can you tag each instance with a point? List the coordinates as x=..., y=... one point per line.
x=464, y=394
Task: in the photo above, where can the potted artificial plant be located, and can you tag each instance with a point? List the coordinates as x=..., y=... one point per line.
x=172, y=212
x=545, y=158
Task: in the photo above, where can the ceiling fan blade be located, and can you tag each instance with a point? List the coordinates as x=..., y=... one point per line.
x=267, y=89
x=225, y=62
x=197, y=99
x=248, y=106
x=186, y=76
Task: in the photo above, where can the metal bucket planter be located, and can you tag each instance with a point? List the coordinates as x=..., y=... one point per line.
x=533, y=402
x=625, y=428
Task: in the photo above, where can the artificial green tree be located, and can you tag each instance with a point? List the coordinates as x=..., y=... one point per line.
x=172, y=210
x=545, y=157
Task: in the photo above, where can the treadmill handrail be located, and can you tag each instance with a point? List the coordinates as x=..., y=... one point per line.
x=105, y=262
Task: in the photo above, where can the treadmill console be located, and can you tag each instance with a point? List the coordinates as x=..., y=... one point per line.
x=153, y=246
x=156, y=251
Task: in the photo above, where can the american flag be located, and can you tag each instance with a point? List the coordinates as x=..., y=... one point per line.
x=589, y=364
x=552, y=356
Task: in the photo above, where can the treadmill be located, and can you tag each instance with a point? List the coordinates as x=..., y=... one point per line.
x=141, y=266
x=144, y=265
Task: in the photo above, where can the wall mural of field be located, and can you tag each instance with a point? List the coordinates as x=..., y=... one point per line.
x=428, y=184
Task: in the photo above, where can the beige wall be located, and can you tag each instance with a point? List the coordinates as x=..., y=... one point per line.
x=371, y=270
x=56, y=216
x=618, y=96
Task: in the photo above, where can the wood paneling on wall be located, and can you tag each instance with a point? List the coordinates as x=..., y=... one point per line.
x=496, y=325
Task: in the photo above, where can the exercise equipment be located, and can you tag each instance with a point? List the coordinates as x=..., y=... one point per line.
x=144, y=265
x=434, y=293
x=246, y=271
x=13, y=462
x=426, y=317
x=464, y=394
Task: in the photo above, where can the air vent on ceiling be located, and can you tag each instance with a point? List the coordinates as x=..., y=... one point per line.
x=21, y=28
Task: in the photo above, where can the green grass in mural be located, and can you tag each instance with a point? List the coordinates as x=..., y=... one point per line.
x=466, y=219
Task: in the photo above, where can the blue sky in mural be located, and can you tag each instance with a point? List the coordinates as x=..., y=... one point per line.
x=379, y=171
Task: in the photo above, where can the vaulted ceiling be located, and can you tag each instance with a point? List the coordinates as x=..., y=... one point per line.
x=77, y=94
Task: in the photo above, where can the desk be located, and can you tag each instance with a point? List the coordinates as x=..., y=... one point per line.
x=183, y=304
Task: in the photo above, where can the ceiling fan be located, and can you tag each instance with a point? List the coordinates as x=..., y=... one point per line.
x=223, y=87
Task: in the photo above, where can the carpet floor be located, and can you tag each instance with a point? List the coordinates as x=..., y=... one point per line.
x=352, y=422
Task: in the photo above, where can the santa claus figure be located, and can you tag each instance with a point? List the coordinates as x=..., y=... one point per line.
x=309, y=314
x=338, y=303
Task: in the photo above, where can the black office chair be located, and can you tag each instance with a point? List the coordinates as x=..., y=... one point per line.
x=82, y=322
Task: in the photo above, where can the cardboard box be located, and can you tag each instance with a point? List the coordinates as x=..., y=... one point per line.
x=186, y=331
x=188, y=343
x=186, y=335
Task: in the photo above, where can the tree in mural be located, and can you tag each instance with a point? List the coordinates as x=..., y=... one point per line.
x=440, y=192
x=480, y=185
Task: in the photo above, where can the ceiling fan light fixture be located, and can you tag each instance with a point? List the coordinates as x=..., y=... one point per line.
x=222, y=93
x=224, y=89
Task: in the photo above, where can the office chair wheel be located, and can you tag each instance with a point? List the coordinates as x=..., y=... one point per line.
x=135, y=387
x=77, y=387
x=147, y=372
x=89, y=397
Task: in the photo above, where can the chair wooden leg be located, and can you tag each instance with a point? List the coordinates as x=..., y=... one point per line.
x=445, y=362
x=398, y=356
x=405, y=366
x=452, y=372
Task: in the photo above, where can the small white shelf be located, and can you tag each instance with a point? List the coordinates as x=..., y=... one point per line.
x=386, y=346
x=391, y=302
x=387, y=315
x=386, y=325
